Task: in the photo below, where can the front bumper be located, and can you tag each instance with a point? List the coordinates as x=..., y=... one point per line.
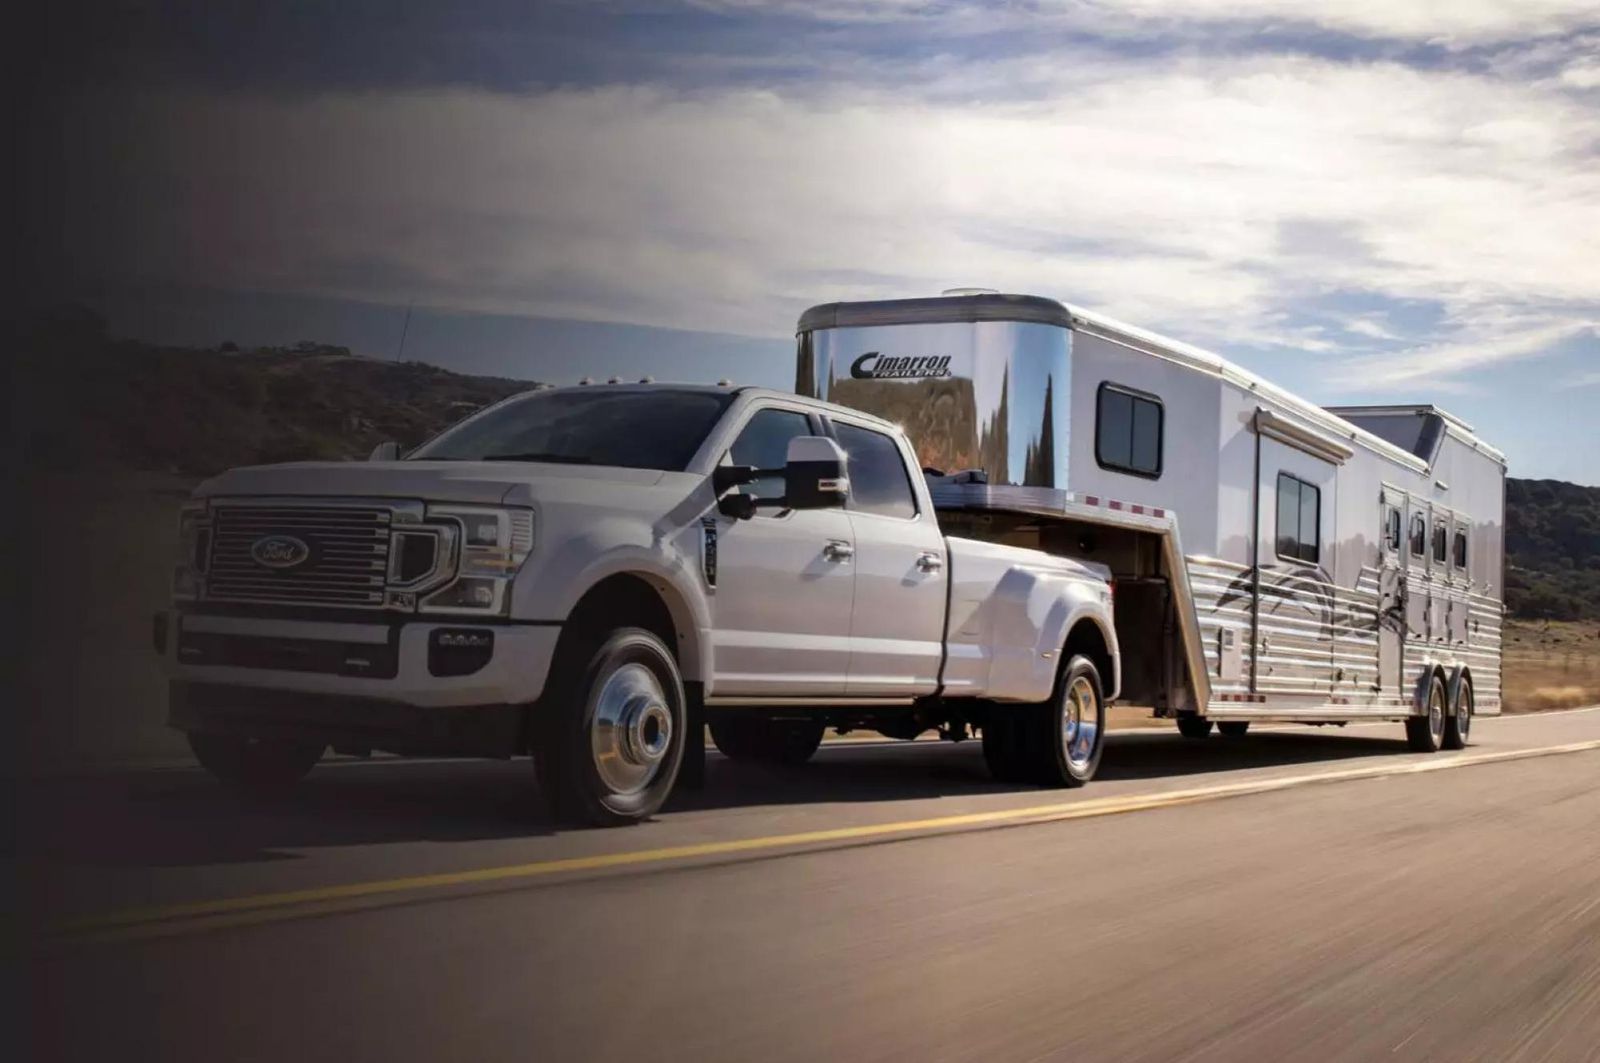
x=359, y=684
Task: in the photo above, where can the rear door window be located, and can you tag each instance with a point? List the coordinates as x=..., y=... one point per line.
x=878, y=479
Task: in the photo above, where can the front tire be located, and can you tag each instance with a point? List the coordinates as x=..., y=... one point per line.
x=613, y=736
x=257, y=765
x=1426, y=733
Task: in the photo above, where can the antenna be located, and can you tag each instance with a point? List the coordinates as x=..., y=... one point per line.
x=400, y=353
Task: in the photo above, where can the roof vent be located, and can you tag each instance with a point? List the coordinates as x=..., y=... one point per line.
x=970, y=291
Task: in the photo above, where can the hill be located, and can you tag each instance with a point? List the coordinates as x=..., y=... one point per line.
x=1552, y=550
x=82, y=400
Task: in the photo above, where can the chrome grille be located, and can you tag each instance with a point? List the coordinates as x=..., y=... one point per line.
x=347, y=563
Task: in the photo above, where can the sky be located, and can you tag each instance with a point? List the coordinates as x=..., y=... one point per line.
x=1363, y=200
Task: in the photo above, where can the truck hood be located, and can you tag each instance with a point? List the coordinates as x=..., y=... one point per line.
x=473, y=482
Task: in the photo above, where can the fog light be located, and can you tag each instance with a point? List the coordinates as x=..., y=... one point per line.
x=473, y=594
x=459, y=651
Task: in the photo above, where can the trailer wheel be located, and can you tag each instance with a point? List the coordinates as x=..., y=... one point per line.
x=1458, y=725
x=1233, y=728
x=1068, y=732
x=608, y=744
x=1003, y=748
x=1194, y=726
x=260, y=765
x=791, y=741
x=1426, y=733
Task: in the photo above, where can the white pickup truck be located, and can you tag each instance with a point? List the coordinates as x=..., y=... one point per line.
x=593, y=574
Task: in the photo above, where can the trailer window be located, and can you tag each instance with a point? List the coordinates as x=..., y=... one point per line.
x=1419, y=536
x=1391, y=529
x=1461, y=549
x=1299, y=520
x=1439, y=538
x=1128, y=431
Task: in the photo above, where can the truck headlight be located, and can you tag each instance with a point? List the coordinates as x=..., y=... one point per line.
x=494, y=544
x=194, y=549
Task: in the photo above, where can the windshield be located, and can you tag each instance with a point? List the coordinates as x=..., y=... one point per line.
x=655, y=429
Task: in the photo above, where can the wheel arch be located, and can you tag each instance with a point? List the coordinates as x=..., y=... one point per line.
x=1089, y=636
x=637, y=599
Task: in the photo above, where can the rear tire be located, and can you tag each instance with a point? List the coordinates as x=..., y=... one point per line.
x=1425, y=733
x=1196, y=727
x=1066, y=735
x=1458, y=725
x=256, y=765
x=1003, y=748
x=768, y=741
x=1233, y=728
x=609, y=742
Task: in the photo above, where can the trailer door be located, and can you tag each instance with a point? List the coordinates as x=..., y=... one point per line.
x=1391, y=590
x=1295, y=641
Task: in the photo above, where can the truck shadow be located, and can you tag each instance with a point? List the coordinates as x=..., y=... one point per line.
x=902, y=771
x=180, y=818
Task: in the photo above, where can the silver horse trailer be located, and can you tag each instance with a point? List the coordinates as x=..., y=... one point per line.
x=1275, y=560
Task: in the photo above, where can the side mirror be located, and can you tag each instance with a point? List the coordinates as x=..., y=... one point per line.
x=725, y=478
x=814, y=476
x=389, y=451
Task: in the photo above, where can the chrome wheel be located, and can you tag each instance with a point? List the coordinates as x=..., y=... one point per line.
x=631, y=729
x=1080, y=723
x=1464, y=713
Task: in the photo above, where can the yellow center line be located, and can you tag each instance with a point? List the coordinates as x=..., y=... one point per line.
x=136, y=922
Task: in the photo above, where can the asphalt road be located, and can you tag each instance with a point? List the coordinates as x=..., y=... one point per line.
x=1295, y=895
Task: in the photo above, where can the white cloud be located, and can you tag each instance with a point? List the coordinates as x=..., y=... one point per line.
x=1478, y=348
x=1203, y=197
x=1452, y=22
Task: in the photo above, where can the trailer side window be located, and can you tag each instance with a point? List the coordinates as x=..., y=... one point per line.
x=1391, y=529
x=1440, y=536
x=1461, y=550
x=1419, y=536
x=1299, y=520
x=1128, y=431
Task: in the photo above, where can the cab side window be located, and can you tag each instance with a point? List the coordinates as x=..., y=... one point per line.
x=764, y=443
x=878, y=479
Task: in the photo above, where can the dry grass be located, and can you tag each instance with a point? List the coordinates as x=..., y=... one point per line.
x=1550, y=665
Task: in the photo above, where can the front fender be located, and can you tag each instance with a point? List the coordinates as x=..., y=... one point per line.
x=552, y=584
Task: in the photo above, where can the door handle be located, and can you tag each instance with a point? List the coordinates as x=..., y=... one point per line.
x=930, y=562
x=838, y=550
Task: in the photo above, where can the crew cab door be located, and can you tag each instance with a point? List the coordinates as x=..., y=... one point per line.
x=897, y=626
x=785, y=580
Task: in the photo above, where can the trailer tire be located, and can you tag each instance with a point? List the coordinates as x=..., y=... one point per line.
x=608, y=743
x=1067, y=734
x=255, y=765
x=766, y=741
x=1426, y=733
x=1196, y=727
x=1458, y=725
x=1233, y=728
x=1003, y=748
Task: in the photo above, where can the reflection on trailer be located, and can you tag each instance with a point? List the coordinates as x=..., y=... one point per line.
x=1334, y=564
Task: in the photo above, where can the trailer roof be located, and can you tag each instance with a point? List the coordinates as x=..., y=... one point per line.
x=1033, y=308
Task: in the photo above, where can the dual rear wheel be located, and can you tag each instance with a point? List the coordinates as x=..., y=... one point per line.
x=1446, y=722
x=1056, y=742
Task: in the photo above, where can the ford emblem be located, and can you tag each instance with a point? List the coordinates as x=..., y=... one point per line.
x=279, y=551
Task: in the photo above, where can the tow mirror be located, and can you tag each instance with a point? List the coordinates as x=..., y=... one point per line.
x=725, y=478
x=389, y=451
x=814, y=476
